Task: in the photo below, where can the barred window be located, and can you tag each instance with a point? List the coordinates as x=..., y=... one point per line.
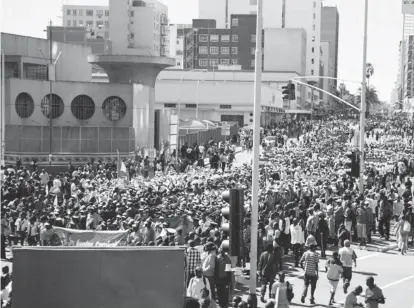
x=83, y=107
x=24, y=105
x=57, y=106
x=114, y=108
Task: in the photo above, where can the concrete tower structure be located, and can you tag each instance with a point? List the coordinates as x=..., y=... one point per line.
x=139, y=34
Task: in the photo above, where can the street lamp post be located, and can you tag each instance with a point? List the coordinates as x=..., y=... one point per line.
x=363, y=102
x=256, y=151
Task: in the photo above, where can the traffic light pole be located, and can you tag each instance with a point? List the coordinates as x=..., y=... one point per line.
x=256, y=153
x=363, y=103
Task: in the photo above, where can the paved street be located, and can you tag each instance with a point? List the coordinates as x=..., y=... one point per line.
x=392, y=272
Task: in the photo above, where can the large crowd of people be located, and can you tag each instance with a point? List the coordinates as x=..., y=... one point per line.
x=307, y=202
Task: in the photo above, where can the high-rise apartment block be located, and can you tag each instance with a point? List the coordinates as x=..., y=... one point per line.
x=90, y=17
x=330, y=33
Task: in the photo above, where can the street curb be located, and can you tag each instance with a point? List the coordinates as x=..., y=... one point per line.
x=375, y=249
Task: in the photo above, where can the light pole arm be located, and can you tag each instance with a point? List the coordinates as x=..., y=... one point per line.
x=326, y=92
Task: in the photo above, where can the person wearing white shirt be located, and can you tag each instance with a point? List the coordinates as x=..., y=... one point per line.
x=197, y=284
x=297, y=240
x=44, y=177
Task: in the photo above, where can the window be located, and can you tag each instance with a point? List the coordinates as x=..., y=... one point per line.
x=132, y=35
x=252, y=62
x=312, y=72
x=24, y=105
x=106, y=13
x=99, y=23
x=82, y=107
x=253, y=38
x=170, y=105
x=74, y=23
x=80, y=12
x=214, y=38
x=107, y=24
x=225, y=50
x=89, y=23
x=203, y=62
x=202, y=50
x=314, y=15
x=190, y=105
x=313, y=49
x=57, y=106
x=253, y=50
x=131, y=14
x=114, y=108
x=234, y=38
x=80, y=23
x=313, y=38
x=234, y=62
x=89, y=12
x=234, y=22
x=74, y=12
x=68, y=12
x=314, y=3
x=203, y=38
x=213, y=62
x=224, y=61
x=214, y=50
x=314, y=27
x=68, y=23
x=225, y=38
x=234, y=50
x=225, y=106
x=99, y=13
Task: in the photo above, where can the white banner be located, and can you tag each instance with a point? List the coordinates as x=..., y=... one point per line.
x=408, y=6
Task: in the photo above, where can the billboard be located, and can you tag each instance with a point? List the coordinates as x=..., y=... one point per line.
x=408, y=6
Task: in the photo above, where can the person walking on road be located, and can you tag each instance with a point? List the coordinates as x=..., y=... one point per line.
x=309, y=263
x=373, y=294
x=334, y=271
x=267, y=270
x=282, y=292
x=347, y=255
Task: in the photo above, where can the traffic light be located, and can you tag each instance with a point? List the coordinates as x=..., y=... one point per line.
x=352, y=164
x=285, y=92
x=234, y=214
x=292, y=91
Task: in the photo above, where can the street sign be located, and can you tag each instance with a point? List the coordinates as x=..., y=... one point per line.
x=225, y=130
x=408, y=6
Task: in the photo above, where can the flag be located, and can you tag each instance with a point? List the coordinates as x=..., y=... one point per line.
x=122, y=169
x=55, y=202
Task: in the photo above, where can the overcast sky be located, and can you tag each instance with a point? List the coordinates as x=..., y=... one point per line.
x=30, y=17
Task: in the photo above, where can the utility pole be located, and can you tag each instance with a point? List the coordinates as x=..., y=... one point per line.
x=256, y=151
x=50, y=90
x=363, y=103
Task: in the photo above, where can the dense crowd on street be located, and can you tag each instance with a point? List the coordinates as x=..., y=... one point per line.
x=307, y=204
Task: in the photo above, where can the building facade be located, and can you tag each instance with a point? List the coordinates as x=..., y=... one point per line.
x=330, y=33
x=90, y=17
x=207, y=47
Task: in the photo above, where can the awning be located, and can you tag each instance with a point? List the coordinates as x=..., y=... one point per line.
x=298, y=111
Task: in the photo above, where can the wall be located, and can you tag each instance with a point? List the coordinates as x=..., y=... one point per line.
x=330, y=32
x=328, y=85
x=143, y=19
x=28, y=49
x=306, y=15
x=213, y=9
x=84, y=18
x=285, y=50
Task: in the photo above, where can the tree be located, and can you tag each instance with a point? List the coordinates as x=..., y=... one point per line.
x=371, y=97
x=370, y=71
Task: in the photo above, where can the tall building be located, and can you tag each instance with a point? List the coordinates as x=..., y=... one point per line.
x=330, y=33
x=90, y=17
x=207, y=47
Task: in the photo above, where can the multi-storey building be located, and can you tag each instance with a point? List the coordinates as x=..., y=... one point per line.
x=207, y=47
x=90, y=17
x=330, y=33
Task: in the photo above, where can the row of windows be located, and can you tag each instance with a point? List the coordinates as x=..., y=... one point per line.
x=99, y=13
x=168, y=105
x=87, y=23
x=215, y=62
x=225, y=38
x=214, y=50
x=82, y=107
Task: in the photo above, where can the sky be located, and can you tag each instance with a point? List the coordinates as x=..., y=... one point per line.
x=30, y=17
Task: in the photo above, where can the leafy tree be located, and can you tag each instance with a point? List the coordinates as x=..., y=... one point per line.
x=371, y=97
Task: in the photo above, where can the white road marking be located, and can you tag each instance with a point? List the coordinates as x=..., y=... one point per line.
x=397, y=282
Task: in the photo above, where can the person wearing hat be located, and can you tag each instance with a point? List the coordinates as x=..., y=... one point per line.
x=347, y=256
x=310, y=263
